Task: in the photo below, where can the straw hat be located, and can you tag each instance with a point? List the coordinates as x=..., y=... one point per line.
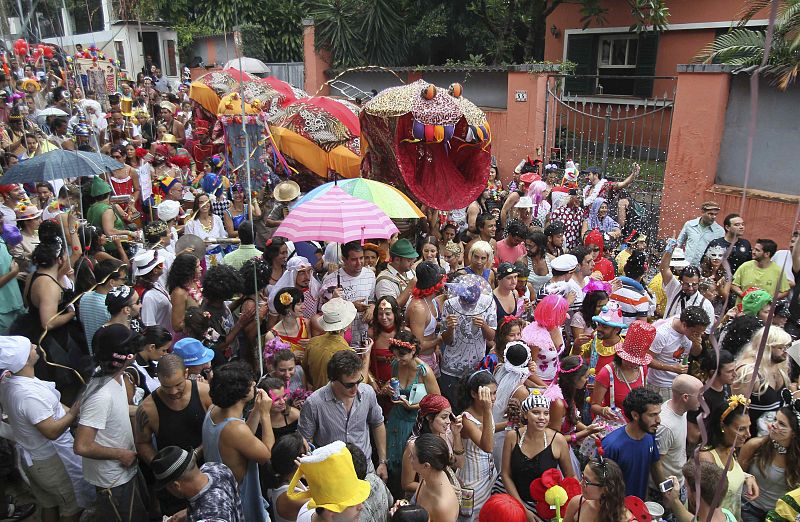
x=168, y=105
x=337, y=314
x=333, y=461
x=286, y=191
x=634, y=349
x=169, y=138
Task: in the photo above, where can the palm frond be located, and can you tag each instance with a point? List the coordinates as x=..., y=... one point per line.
x=750, y=9
x=741, y=45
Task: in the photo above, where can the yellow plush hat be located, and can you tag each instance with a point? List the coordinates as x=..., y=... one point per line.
x=331, y=479
x=30, y=82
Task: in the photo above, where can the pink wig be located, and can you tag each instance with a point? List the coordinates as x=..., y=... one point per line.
x=502, y=507
x=551, y=312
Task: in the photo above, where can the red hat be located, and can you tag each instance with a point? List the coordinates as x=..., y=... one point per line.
x=595, y=237
x=5, y=189
x=201, y=127
x=637, y=342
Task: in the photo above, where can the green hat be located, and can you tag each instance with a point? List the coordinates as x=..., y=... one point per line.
x=403, y=248
x=100, y=187
x=754, y=301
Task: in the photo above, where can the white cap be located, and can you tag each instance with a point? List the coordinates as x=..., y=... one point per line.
x=168, y=210
x=564, y=263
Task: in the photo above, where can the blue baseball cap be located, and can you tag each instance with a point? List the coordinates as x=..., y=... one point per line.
x=193, y=352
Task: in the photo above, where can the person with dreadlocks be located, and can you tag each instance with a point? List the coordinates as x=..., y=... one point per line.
x=104, y=437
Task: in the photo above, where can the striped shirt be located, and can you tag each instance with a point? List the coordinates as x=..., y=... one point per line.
x=93, y=314
x=633, y=303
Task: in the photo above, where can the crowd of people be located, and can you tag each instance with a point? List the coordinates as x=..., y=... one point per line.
x=163, y=353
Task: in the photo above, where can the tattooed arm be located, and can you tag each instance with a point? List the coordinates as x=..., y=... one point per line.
x=144, y=427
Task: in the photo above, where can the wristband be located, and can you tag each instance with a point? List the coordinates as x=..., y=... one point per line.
x=459, y=452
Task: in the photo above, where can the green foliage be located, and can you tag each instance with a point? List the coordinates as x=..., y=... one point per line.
x=744, y=48
x=474, y=60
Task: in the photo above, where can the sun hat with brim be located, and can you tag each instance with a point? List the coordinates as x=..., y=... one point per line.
x=403, y=248
x=564, y=263
x=27, y=212
x=635, y=348
x=286, y=191
x=678, y=259
x=474, y=295
x=610, y=315
x=337, y=314
x=331, y=478
x=193, y=352
x=169, y=464
x=100, y=187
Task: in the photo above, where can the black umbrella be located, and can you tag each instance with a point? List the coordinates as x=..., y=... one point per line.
x=59, y=164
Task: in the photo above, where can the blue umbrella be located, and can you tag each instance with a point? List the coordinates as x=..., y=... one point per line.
x=60, y=164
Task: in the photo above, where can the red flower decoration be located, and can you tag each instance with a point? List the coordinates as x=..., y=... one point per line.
x=553, y=477
x=141, y=152
x=181, y=161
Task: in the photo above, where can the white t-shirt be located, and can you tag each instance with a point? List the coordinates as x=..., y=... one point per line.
x=674, y=306
x=157, y=308
x=305, y=513
x=107, y=411
x=668, y=347
x=360, y=287
x=671, y=440
x=28, y=401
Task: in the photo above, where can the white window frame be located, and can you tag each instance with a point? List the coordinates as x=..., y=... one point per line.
x=613, y=39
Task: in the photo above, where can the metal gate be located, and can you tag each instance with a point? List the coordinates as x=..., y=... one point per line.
x=612, y=133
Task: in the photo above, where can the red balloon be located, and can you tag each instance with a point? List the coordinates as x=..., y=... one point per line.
x=21, y=47
x=48, y=52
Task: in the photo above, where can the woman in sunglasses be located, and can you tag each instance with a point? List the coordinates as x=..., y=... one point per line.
x=773, y=460
x=603, y=497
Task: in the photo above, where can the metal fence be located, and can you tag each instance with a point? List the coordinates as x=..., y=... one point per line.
x=292, y=72
x=612, y=133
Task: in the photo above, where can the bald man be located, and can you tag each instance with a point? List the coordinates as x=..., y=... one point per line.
x=671, y=433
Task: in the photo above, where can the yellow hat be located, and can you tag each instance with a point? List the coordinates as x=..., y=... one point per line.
x=319, y=469
x=169, y=138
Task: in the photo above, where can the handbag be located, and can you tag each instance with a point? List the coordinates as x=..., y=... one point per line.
x=418, y=390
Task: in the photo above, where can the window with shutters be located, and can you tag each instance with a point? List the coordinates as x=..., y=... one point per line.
x=612, y=64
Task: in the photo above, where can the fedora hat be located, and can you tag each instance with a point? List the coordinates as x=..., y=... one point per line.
x=286, y=191
x=169, y=464
x=169, y=138
x=403, y=248
x=324, y=491
x=610, y=315
x=678, y=259
x=337, y=314
x=637, y=342
x=524, y=202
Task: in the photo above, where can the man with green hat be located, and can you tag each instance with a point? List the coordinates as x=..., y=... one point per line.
x=398, y=279
x=104, y=216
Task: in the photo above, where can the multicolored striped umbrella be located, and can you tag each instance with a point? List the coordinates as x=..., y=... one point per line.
x=336, y=216
x=396, y=204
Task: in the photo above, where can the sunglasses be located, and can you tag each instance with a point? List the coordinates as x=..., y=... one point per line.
x=351, y=385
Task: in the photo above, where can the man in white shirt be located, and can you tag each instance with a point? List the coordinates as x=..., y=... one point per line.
x=355, y=283
x=40, y=426
x=676, y=338
x=397, y=280
x=148, y=268
x=683, y=290
x=104, y=437
x=671, y=433
x=697, y=233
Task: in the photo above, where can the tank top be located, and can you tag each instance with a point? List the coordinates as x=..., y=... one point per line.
x=771, y=484
x=736, y=476
x=501, y=312
x=525, y=470
x=237, y=220
x=250, y=488
x=182, y=428
x=294, y=341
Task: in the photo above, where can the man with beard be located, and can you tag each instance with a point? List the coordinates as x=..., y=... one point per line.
x=607, y=339
x=633, y=446
x=761, y=272
x=684, y=290
x=200, y=145
x=697, y=233
x=555, y=239
x=171, y=416
x=123, y=307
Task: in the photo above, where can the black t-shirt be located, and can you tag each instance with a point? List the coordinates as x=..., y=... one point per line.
x=715, y=400
x=741, y=252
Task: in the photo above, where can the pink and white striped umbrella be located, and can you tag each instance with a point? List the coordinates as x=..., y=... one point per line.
x=336, y=216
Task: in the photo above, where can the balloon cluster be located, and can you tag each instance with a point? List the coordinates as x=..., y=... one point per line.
x=42, y=51
x=21, y=47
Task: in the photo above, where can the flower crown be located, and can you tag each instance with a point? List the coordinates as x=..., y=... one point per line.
x=402, y=344
x=734, y=401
